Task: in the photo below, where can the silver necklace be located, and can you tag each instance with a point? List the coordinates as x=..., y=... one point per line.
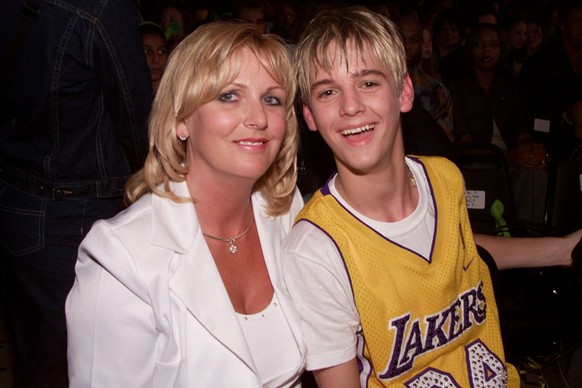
x=231, y=240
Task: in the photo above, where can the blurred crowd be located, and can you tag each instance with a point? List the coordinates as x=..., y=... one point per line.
x=506, y=73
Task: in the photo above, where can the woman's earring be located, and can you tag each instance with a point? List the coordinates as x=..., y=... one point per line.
x=182, y=137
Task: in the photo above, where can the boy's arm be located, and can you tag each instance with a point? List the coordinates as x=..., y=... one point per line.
x=527, y=252
x=318, y=284
x=344, y=375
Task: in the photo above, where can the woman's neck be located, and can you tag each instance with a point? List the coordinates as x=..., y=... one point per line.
x=223, y=208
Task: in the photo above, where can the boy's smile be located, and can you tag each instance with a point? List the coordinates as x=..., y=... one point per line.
x=355, y=131
x=355, y=105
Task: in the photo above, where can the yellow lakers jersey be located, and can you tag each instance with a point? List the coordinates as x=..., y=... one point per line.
x=424, y=322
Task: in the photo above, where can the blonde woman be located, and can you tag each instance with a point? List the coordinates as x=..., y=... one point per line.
x=183, y=288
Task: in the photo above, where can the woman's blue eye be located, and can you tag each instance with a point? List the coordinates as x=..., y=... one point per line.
x=271, y=100
x=227, y=97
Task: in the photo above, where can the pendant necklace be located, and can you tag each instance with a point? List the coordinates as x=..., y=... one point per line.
x=231, y=240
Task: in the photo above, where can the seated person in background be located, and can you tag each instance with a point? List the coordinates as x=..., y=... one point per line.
x=483, y=13
x=176, y=23
x=447, y=33
x=285, y=21
x=516, y=31
x=155, y=49
x=252, y=11
x=429, y=91
x=428, y=63
x=389, y=293
x=552, y=81
x=489, y=108
x=534, y=36
x=448, y=36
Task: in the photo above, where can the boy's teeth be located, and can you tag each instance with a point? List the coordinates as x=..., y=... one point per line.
x=357, y=130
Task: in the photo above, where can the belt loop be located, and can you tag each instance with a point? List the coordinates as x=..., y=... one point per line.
x=62, y=193
x=100, y=188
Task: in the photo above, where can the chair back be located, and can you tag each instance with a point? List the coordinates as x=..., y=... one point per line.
x=488, y=186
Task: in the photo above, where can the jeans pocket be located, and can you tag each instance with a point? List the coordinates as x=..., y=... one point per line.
x=21, y=221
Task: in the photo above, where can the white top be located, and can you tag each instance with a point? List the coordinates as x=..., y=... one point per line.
x=149, y=309
x=421, y=220
x=318, y=283
x=272, y=345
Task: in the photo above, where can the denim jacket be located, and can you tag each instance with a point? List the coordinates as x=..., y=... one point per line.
x=74, y=120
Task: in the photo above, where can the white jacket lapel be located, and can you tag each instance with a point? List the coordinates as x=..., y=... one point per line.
x=196, y=281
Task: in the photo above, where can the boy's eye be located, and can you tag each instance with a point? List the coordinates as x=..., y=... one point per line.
x=369, y=84
x=326, y=93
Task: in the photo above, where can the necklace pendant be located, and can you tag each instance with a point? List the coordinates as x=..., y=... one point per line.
x=232, y=248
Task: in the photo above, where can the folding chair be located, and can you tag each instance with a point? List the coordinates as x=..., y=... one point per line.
x=564, y=196
x=488, y=186
x=529, y=300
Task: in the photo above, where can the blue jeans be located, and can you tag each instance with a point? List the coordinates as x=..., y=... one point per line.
x=39, y=238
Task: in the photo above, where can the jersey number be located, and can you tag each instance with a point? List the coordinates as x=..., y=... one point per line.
x=485, y=370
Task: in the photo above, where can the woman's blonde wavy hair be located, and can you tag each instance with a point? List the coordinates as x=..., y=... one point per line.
x=198, y=69
x=339, y=26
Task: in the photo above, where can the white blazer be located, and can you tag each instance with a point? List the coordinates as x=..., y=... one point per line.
x=149, y=309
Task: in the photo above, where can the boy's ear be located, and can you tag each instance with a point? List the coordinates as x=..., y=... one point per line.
x=308, y=116
x=407, y=95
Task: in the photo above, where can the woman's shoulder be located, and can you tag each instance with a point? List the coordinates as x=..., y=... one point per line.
x=119, y=246
x=112, y=236
x=133, y=216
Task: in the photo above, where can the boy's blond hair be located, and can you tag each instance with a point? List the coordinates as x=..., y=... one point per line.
x=357, y=25
x=198, y=69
